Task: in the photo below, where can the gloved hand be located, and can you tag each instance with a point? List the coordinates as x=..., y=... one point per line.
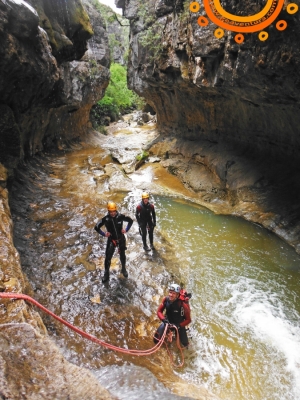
x=165, y=321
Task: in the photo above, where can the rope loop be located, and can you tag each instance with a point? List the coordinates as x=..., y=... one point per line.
x=133, y=352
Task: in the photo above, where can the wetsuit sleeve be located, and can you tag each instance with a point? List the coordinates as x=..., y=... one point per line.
x=138, y=214
x=98, y=227
x=160, y=310
x=187, y=315
x=153, y=214
x=129, y=222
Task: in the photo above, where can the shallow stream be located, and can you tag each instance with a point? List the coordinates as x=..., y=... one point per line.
x=245, y=284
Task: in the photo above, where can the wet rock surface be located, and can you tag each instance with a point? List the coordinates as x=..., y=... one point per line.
x=224, y=187
x=78, y=263
x=32, y=367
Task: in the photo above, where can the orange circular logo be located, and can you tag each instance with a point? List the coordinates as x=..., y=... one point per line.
x=243, y=24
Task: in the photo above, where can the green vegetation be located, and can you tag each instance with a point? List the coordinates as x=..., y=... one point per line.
x=117, y=95
x=118, y=99
x=142, y=156
x=106, y=12
x=153, y=29
x=150, y=37
x=185, y=14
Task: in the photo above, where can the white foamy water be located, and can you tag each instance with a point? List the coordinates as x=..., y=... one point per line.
x=261, y=313
x=245, y=307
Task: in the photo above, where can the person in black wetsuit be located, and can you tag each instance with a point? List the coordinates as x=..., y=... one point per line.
x=113, y=223
x=177, y=312
x=146, y=218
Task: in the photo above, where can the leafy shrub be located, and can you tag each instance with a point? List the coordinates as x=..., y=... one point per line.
x=117, y=90
x=142, y=156
x=118, y=98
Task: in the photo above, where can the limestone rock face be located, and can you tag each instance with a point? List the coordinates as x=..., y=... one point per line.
x=217, y=89
x=67, y=25
x=116, y=27
x=47, y=82
x=98, y=48
x=119, y=37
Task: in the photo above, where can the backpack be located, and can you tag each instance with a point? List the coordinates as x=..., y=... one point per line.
x=185, y=297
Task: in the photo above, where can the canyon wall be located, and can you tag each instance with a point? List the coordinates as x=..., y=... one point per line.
x=52, y=71
x=213, y=88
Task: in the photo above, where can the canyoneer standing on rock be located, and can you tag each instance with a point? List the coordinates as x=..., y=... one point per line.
x=113, y=223
x=177, y=312
x=146, y=218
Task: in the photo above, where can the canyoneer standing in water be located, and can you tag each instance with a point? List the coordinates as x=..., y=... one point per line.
x=113, y=223
x=177, y=312
x=146, y=218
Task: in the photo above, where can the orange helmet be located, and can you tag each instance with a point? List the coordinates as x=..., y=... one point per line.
x=111, y=206
x=145, y=195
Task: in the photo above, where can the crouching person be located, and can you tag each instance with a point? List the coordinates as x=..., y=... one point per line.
x=176, y=312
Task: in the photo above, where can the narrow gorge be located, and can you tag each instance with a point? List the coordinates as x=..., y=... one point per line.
x=223, y=136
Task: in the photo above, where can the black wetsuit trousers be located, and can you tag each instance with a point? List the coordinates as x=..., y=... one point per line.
x=147, y=227
x=182, y=334
x=110, y=249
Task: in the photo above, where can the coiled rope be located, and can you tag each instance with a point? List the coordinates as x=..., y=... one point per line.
x=92, y=338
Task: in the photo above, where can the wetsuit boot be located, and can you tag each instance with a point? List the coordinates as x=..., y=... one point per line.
x=124, y=272
x=106, y=275
x=146, y=248
x=144, y=238
x=151, y=238
x=123, y=262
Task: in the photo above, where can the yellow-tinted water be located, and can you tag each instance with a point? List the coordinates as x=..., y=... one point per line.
x=246, y=285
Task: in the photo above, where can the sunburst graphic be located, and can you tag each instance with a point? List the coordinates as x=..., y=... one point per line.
x=216, y=14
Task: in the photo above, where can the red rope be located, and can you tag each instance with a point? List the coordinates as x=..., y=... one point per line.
x=178, y=345
x=85, y=334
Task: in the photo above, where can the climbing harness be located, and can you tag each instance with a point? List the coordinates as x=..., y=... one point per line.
x=116, y=241
x=171, y=334
x=116, y=244
x=21, y=296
